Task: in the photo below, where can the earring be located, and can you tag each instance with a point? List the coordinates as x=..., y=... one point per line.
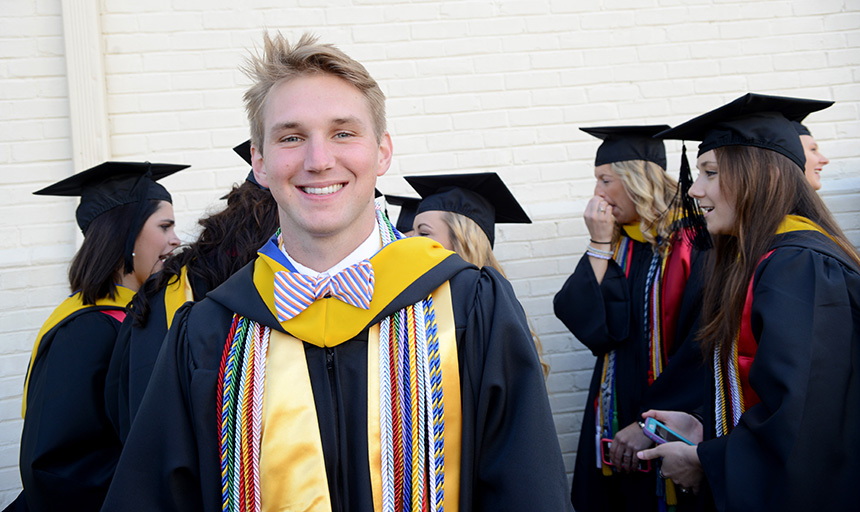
x=133, y=255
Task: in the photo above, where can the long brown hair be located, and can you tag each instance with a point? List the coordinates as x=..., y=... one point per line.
x=765, y=186
x=98, y=265
x=229, y=240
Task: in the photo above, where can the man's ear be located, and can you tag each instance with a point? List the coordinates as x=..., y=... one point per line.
x=259, y=169
x=385, y=152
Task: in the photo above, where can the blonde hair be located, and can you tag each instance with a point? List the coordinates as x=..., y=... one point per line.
x=470, y=241
x=472, y=244
x=653, y=194
x=280, y=62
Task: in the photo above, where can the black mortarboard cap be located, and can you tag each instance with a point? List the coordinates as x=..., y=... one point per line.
x=113, y=184
x=482, y=197
x=622, y=143
x=244, y=150
x=757, y=120
x=408, y=210
x=800, y=128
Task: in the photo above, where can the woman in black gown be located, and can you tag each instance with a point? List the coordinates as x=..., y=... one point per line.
x=634, y=300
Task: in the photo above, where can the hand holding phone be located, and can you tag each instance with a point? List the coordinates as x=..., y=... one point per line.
x=605, y=447
x=660, y=433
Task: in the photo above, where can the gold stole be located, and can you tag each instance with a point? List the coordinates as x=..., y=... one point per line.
x=66, y=308
x=292, y=467
x=797, y=223
x=176, y=294
x=635, y=232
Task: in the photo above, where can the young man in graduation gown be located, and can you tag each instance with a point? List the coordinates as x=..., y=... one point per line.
x=346, y=369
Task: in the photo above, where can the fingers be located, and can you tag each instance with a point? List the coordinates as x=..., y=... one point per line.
x=599, y=219
x=651, y=453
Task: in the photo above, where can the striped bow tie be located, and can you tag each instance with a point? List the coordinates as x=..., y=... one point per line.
x=294, y=292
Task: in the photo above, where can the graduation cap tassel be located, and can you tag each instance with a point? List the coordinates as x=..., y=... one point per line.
x=141, y=189
x=691, y=215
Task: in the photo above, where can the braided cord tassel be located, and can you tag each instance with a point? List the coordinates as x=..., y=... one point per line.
x=737, y=393
x=235, y=416
x=652, y=318
x=257, y=421
x=396, y=413
x=434, y=368
x=225, y=383
x=405, y=409
x=240, y=414
x=720, y=395
x=385, y=416
x=419, y=405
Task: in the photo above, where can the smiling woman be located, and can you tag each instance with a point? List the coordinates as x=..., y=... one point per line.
x=68, y=449
x=780, y=323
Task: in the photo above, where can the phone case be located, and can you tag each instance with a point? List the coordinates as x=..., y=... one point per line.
x=650, y=427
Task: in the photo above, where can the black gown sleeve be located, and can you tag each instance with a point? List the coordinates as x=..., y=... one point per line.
x=797, y=449
x=510, y=446
x=116, y=382
x=597, y=314
x=159, y=468
x=68, y=447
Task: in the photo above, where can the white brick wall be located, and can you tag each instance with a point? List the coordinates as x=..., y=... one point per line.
x=472, y=86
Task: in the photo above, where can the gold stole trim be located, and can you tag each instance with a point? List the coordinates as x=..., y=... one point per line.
x=66, y=308
x=634, y=232
x=797, y=223
x=328, y=322
x=292, y=466
x=176, y=294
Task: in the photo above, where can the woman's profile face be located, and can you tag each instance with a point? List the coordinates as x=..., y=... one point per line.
x=610, y=188
x=156, y=240
x=719, y=211
x=432, y=225
x=815, y=161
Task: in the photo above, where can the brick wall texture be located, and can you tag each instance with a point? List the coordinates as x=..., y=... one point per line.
x=472, y=85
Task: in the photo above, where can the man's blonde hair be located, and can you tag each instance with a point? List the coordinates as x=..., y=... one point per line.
x=281, y=61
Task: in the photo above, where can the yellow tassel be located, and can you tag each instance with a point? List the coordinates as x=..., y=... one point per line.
x=607, y=471
x=671, y=496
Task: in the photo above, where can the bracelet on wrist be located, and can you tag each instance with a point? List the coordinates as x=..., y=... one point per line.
x=598, y=256
x=596, y=242
x=589, y=248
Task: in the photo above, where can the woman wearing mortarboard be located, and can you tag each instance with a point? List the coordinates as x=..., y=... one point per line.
x=634, y=300
x=68, y=449
x=781, y=323
x=228, y=241
x=460, y=211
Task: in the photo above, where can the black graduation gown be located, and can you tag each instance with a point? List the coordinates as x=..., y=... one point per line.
x=799, y=448
x=68, y=447
x=511, y=459
x=608, y=316
x=134, y=357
